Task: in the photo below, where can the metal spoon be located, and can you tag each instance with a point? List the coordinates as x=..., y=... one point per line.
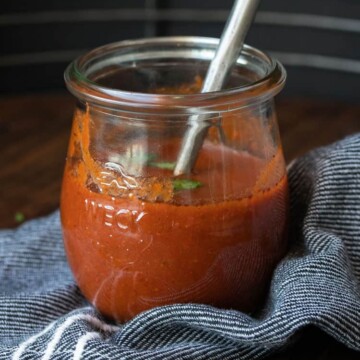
x=231, y=42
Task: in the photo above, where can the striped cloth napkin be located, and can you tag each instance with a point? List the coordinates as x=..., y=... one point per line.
x=44, y=316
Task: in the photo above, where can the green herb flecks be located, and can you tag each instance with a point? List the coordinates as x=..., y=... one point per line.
x=19, y=217
x=132, y=162
x=136, y=159
x=163, y=165
x=142, y=159
x=186, y=184
x=135, y=162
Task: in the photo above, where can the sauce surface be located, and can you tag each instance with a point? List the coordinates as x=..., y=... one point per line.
x=133, y=250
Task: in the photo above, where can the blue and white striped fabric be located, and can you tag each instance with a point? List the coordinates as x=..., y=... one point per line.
x=44, y=316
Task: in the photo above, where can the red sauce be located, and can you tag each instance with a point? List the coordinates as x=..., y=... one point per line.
x=217, y=244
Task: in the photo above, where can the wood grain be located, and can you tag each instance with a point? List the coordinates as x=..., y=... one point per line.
x=34, y=132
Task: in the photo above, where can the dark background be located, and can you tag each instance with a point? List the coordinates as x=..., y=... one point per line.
x=318, y=41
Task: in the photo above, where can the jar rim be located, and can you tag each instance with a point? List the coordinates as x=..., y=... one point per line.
x=80, y=85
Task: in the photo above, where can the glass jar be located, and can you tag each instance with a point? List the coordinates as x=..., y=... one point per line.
x=135, y=235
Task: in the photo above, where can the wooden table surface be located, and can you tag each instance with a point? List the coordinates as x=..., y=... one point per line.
x=34, y=132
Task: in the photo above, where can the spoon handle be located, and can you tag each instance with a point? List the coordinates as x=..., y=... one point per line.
x=231, y=42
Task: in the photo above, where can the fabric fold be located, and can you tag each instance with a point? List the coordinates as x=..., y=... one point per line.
x=43, y=314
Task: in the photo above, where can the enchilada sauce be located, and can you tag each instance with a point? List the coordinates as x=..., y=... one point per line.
x=137, y=242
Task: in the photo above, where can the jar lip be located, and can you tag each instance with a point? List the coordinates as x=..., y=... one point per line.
x=88, y=91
